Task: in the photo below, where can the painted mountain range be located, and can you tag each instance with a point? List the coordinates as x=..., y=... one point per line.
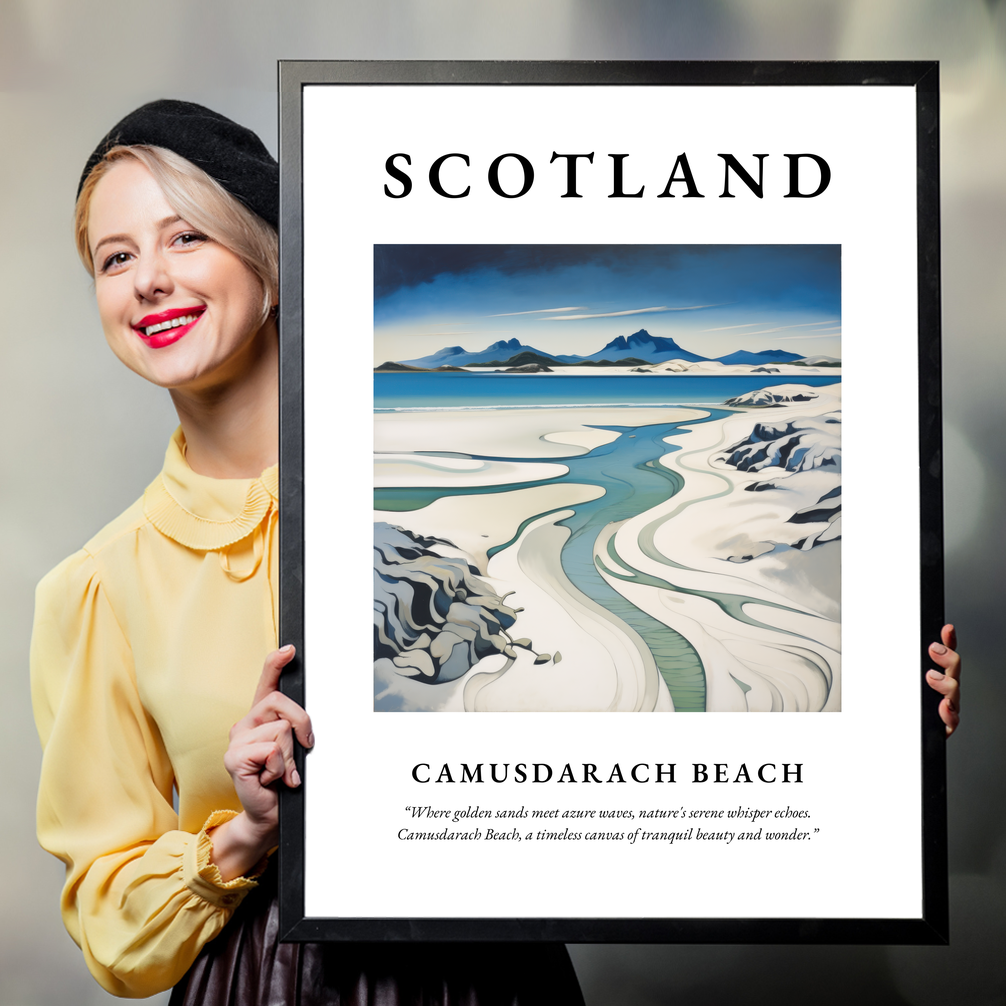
x=641, y=347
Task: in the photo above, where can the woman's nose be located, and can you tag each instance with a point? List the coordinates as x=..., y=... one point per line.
x=152, y=277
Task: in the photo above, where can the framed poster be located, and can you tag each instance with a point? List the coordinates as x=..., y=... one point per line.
x=574, y=341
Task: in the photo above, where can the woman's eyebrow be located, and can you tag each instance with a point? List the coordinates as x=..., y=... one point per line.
x=160, y=225
x=109, y=240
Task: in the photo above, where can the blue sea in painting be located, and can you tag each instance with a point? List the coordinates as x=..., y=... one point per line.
x=453, y=390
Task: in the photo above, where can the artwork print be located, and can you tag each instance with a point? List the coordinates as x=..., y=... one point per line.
x=607, y=478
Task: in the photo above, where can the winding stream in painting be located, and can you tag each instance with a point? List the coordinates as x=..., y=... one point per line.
x=634, y=480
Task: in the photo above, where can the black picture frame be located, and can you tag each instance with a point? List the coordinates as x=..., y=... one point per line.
x=931, y=925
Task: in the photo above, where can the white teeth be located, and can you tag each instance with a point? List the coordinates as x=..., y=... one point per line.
x=174, y=323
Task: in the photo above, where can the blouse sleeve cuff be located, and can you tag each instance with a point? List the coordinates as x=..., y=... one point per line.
x=202, y=876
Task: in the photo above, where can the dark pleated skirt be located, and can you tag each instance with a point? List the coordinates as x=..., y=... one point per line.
x=246, y=965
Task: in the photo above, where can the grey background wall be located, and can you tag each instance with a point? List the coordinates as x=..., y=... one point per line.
x=81, y=437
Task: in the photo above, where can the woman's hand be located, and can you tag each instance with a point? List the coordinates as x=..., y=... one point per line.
x=260, y=754
x=947, y=682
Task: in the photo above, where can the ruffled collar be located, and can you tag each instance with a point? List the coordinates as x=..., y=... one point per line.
x=203, y=513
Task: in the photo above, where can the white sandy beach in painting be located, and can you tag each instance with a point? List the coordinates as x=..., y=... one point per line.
x=513, y=432
x=720, y=561
x=725, y=538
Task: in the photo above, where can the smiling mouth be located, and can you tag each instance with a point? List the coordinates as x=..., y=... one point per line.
x=167, y=321
x=185, y=319
x=167, y=327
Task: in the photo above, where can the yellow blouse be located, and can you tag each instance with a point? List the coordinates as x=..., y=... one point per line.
x=147, y=647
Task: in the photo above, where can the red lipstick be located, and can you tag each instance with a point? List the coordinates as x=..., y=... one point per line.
x=166, y=327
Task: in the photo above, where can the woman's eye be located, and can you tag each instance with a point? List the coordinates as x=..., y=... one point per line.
x=114, y=261
x=190, y=238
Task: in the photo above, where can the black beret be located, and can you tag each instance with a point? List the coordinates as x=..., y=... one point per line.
x=230, y=154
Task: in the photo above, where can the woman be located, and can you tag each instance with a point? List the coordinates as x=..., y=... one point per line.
x=148, y=643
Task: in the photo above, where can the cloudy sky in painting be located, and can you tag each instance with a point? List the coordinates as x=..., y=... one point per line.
x=711, y=299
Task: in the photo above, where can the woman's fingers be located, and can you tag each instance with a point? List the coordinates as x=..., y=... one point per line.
x=949, y=636
x=261, y=762
x=270, y=703
x=271, y=671
x=277, y=706
x=949, y=712
x=274, y=735
x=947, y=680
x=949, y=688
x=945, y=655
x=944, y=684
x=274, y=766
x=261, y=749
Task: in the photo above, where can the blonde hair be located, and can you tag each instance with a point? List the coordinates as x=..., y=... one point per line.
x=199, y=200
